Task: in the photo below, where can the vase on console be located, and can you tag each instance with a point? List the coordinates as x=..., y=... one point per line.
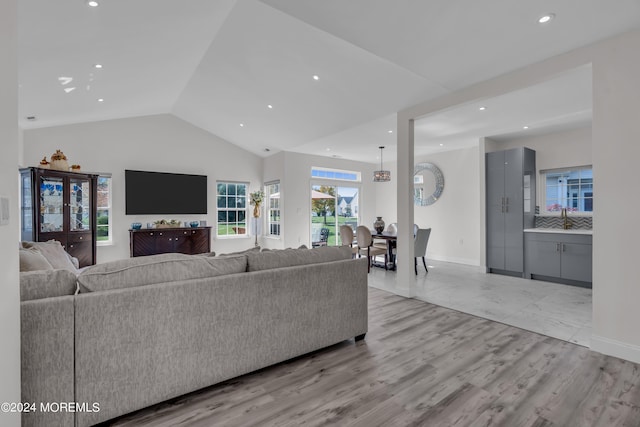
x=379, y=225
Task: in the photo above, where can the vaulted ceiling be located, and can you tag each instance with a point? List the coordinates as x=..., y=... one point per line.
x=220, y=64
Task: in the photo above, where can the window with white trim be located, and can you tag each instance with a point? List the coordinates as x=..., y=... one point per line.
x=570, y=188
x=342, y=175
x=272, y=194
x=231, y=203
x=104, y=229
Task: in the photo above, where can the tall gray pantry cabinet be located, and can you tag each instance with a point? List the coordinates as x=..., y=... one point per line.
x=510, y=205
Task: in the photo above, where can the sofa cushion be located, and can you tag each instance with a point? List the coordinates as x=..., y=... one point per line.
x=54, y=253
x=46, y=284
x=292, y=257
x=32, y=260
x=246, y=251
x=152, y=269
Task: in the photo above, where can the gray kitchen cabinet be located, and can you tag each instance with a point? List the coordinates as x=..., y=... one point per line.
x=567, y=257
x=510, y=205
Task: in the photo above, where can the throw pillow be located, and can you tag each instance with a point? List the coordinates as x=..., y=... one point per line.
x=32, y=260
x=54, y=253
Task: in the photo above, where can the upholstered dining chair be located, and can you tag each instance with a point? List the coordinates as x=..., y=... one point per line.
x=366, y=248
x=420, y=242
x=346, y=236
x=420, y=247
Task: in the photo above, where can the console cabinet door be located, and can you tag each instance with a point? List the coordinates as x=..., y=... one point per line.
x=542, y=257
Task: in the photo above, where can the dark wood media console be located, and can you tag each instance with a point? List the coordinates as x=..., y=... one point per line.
x=191, y=240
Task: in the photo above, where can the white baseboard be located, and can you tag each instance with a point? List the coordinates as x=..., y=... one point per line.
x=455, y=260
x=615, y=348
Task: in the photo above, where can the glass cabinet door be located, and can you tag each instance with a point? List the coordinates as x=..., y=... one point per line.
x=79, y=204
x=51, y=205
x=27, y=207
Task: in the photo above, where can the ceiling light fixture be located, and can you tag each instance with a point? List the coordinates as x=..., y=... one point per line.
x=269, y=106
x=544, y=19
x=93, y=3
x=98, y=66
x=389, y=131
x=69, y=89
x=100, y=99
x=381, y=175
x=65, y=80
x=482, y=108
x=441, y=145
x=316, y=78
x=525, y=127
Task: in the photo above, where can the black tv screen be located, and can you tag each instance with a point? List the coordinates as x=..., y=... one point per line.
x=160, y=193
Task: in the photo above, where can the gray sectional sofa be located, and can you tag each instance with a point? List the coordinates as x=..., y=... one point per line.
x=147, y=329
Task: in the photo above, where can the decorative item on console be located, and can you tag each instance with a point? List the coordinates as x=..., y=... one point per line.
x=379, y=224
x=163, y=223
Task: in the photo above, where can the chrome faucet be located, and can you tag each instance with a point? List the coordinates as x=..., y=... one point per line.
x=566, y=224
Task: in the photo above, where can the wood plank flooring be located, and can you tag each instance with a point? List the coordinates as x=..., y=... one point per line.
x=421, y=365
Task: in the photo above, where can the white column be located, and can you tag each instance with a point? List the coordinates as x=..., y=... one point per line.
x=405, y=277
x=9, y=233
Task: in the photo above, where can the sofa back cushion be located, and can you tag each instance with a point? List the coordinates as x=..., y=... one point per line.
x=152, y=269
x=32, y=260
x=46, y=284
x=291, y=257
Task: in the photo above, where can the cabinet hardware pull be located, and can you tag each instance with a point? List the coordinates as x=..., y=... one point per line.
x=562, y=246
x=557, y=247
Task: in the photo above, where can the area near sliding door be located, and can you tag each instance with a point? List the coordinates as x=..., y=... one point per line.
x=331, y=207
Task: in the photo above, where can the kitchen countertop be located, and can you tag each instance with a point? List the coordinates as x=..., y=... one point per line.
x=558, y=230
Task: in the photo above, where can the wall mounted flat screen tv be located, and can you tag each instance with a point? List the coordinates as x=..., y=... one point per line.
x=160, y=193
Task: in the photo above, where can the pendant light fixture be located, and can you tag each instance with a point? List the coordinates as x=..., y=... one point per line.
x=381, y=175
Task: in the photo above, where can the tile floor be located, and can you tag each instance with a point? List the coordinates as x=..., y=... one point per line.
x=555, y=310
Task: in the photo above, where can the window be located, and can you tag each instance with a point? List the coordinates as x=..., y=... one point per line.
x=342, y=175
x=104, y=230
x=232, y=208
x=272, y=193
x=568, y=188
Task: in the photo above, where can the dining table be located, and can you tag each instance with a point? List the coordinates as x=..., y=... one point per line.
x=391, y=241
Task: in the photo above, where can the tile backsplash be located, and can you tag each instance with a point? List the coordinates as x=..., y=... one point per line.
x=577, y=222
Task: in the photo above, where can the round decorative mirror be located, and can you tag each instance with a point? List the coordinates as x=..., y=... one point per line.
x=428, y=183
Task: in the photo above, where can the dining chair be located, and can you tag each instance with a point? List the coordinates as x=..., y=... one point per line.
x=420, y=247
x=323, y=238
x=366, y=248
x=420, y=242
x=346, y=236
x=391, y=229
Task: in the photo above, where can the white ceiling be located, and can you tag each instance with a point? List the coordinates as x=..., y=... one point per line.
x=217, y=64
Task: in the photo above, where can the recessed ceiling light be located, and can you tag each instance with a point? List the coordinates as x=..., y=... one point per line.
x=65, y=80
x=269, y=106
x=92, y=3
x=316, y=78
x=98, y=66
x=441, y=145
x=100, y=99
x=525, y=127
x=546, y=18
x=328, y=149
x=389, y=131
x=241, y=125
x=482, y=108
x=69, y=89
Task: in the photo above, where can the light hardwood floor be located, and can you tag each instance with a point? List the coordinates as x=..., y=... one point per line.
x=422, y=365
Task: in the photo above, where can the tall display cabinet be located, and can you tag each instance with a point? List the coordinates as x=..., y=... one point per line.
x=511, y=200
x=60, y=206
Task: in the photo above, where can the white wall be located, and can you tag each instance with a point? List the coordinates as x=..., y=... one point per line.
x=454, y=222
x=616, y=153
x=296, y=191
x=162, y=143
x=9, y=234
